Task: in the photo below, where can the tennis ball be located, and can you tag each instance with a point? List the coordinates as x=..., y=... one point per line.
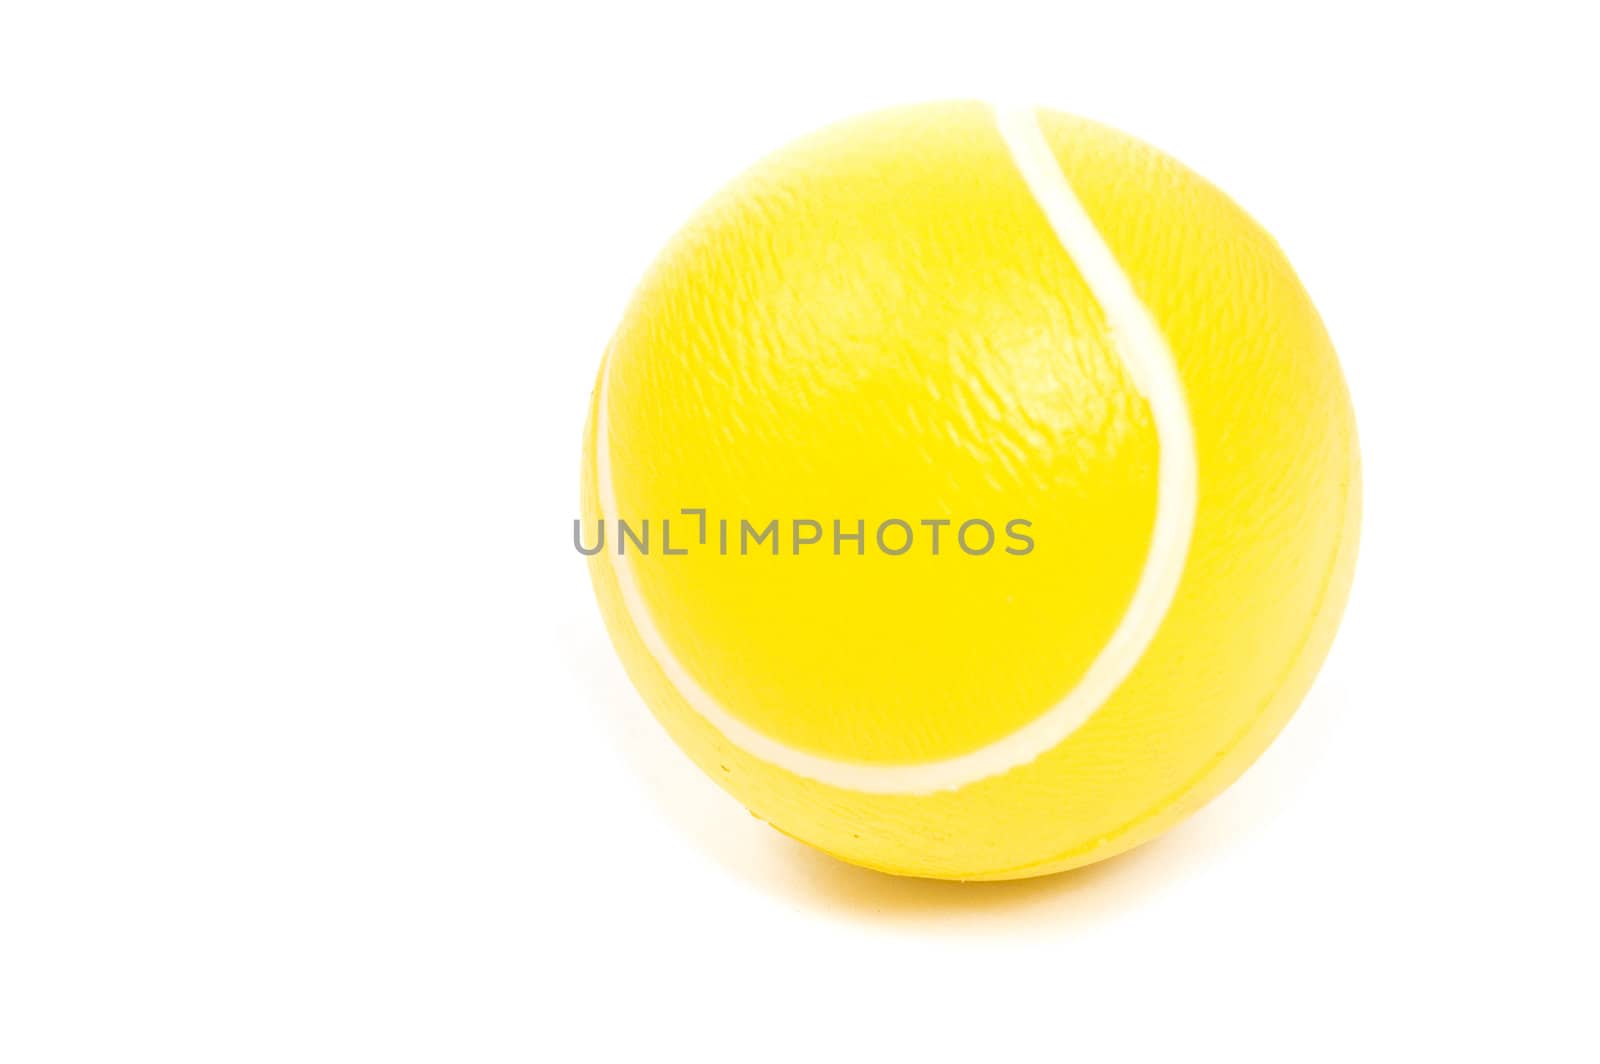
x=979, y=489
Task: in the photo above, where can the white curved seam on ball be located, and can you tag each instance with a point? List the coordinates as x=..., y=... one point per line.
x=1144, y=352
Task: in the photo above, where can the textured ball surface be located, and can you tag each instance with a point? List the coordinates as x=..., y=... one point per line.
x=952, y=313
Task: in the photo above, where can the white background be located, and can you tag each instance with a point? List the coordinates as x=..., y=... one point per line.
x=312, y=746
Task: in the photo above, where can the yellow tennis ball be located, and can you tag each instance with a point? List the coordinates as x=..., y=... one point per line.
x=979, y=491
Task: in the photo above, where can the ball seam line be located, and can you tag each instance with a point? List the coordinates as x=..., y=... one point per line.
x=1144, y=352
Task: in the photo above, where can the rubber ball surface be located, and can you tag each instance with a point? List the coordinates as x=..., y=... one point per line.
x=917, y=326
